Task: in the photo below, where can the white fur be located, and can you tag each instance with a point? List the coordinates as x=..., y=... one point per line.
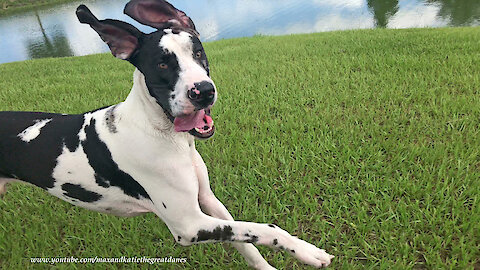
x=73, y=168
x=3, y=184
x=33, y=131
x=167, y=165
x=190, y=71
x=86, y=121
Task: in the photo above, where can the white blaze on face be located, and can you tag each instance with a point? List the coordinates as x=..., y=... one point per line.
x=190, y=71
x=32, y=132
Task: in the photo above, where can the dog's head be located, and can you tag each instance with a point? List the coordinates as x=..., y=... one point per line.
x=172, y=59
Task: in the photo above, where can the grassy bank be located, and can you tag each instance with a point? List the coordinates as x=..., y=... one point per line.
x=12, y=6
x=365, y=143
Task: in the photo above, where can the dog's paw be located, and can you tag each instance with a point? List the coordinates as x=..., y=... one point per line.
x=310, y=254
x=3, y=189
x=265, y=267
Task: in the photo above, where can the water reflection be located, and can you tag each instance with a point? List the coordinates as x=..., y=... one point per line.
x=55, y=31
x=382, y=11
x=459, y=12
x=43, y=46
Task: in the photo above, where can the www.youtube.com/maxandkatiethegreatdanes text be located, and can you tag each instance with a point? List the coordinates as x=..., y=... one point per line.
x=123, y=259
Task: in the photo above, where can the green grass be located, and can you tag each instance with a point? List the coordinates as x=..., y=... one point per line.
x=12, y=6
x=365, y=143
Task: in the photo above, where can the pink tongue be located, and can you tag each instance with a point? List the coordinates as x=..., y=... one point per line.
x=188, y=122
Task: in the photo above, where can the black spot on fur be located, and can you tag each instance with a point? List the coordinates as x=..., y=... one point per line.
x=110, y=119
x=160, y=82
x=193, y=239
x=253, y=238
x=102, y=181
x=219, y=233
x=34, y=161
x=275, y=242
x=164, y=205
x=78, y=192
x=106, y=170
x=292, y=250
x=271, y=225
x=179, y=238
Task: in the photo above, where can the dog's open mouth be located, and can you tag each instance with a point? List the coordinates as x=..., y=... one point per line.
x=199, y=124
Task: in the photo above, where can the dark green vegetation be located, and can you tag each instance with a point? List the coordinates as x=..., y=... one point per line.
x=10, y=6
x=365, y=143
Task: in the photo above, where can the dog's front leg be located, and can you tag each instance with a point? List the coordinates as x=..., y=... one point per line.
x=213, y=207
x=176, y=202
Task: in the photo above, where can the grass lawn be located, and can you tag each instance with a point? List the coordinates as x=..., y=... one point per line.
x=365, y=143
x=11, y=6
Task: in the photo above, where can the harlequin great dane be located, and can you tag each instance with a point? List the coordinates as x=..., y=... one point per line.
x=139, y=156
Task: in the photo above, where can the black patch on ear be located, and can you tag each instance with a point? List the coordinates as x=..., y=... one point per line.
x=159, y=14
x=219, y=233
x=78, y=192
x=122, y=38
x=106, y=170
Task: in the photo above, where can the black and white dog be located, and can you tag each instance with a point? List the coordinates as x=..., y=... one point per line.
x=139, y=156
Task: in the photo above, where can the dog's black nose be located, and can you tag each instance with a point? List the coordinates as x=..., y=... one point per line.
x=202, y=95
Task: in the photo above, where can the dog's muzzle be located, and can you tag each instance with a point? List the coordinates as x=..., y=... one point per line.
x=202, y=95
x=199, y=123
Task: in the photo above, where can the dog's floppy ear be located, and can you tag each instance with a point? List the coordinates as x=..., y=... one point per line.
x=159, y=14
x=121, y=37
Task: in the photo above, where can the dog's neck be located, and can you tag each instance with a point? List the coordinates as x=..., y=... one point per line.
x=141, y=109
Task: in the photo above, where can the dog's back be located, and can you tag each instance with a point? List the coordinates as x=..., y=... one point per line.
x=30, y=143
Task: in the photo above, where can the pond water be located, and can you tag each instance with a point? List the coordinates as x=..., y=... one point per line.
x=55, y=31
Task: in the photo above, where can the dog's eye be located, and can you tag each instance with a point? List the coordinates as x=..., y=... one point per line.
x=198, y=55
x=163, y=66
